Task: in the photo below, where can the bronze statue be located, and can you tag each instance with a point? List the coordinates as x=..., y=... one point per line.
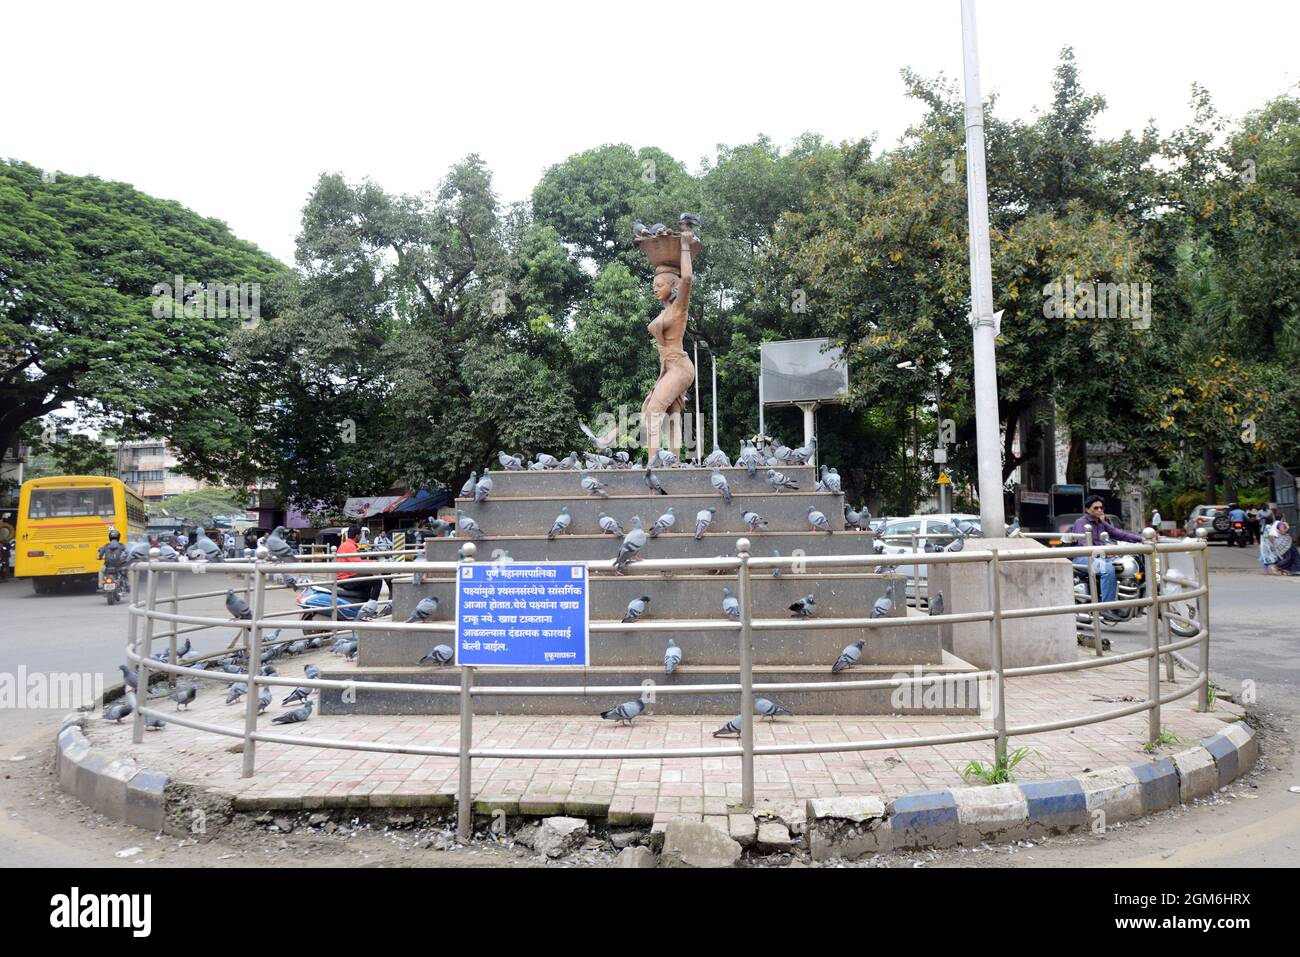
x=671, y=255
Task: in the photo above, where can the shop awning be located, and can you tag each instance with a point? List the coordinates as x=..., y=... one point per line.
x=369, y=506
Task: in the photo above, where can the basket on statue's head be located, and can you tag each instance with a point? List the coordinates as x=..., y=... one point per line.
x=665, y=251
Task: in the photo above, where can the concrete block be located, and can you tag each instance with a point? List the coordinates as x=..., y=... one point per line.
x=592, y=547
x=696, y=844
x=743, y=829
x=680, y=480
x=846, y=827
x=72, y=748
x=773, y=838
x=89, y=769
x=636, y=857
x=1243, y=736
x=540, y=807
x=110, y=788
x=1159, y=784
x=144, y=800
x=1198, y=775
x=1025, y=641
x=1055, y=806
x=1225, y=755
x=557, y=836
x=996, y=812
x=925, y=819
x=1111, y=795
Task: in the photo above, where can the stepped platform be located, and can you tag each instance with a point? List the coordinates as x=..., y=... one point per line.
x=591, y=547
x=683, y=480
x=960, y=696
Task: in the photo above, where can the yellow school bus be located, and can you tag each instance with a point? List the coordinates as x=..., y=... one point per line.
x=62, y=522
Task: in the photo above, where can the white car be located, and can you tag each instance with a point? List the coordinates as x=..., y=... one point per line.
x=933, y=533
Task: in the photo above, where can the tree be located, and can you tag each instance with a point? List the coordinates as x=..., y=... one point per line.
x=200, y=507
x=88, y=315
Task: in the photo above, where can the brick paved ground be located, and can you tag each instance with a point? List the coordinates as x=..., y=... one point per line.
x=640, y=789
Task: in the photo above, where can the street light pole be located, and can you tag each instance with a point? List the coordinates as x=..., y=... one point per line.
x=987, y=432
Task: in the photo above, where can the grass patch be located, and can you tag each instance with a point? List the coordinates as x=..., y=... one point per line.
x=999, y=773
x=1166, y=737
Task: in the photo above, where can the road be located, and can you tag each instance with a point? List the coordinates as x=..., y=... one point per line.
x=1253, y=621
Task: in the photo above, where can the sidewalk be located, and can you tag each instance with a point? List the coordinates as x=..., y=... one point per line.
x=639, y=790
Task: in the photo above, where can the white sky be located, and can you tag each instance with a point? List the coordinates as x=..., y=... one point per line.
x=235, y=108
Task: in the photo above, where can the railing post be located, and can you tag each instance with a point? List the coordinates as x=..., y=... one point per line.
x=143, y=648
x=1153, y=636
x=995, y=660
x=253, y=664
x=1093, y=593
x=916, y=577
x=172, y=635
x=744, y=586
x=334, y=588
x=464, y=788
x=1203, y=619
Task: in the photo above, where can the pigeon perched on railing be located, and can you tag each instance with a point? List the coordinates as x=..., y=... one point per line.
x=440, y=655
x=511, y=463
x=720, y=485
x=237, y=607
x=546, y=461
x=483, y=487
x=730, y=604
x=818, y=520
x=753, y=521
x=652, y=481
x=206, y=548
x=805, y=607
x=769, y=709
x=672, y=657
x=592, y=486
x=849, y=656
x=884, y=604
x=281, y=551
x=294, y=717
x=780, y=481
x=609, y=525
x=636, y=609
x=560, y=525
x=631, y=546
x=622, y=460
x=664, y=523
x=624, y=712
x=749, y=457
x=595, y=460
x=703, y=519
x=467, y=489
x=425, y=609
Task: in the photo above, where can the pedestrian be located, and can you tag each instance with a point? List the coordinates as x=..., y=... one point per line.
x=1252, y=524
x=1155, y=520
x=1279, y=553
x=294, y=542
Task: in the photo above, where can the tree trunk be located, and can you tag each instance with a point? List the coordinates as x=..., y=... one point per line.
x=1229, y=489
x=1211, y=475
x=1076, y=466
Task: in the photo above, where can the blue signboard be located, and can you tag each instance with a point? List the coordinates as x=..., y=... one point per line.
x=522, y=613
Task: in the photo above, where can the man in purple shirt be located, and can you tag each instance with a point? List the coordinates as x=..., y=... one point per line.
x=1094, y=514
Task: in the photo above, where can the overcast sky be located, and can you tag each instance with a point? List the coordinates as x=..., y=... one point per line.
x=235, y=108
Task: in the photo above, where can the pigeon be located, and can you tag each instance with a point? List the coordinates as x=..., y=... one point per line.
x=237, y=607
x=483, y=487
x=830, y=480
x=884, y=604
x=703, y=519
x=690, y=220
x=296, y=647
x=780, y=481
x=232, y=669
x=624, y=712
x=609, y=525
x=719, y=483
x=293, y=717
x=502, y=556
x=345, y=648
x=129, y=676
x=120, y=709
x=312, y=672
x=622, y=460
x=369, y=611
x=663, y=523
x=570, y=461
x=264, y=699
x=206, y=548
x=631, y=546
x=936, y=604
x=594, y=460
x=776, y=572
x=749, y=458
x=267, y=671
x=546, y=461
x=237, y=691
x=636, y=608
x=769, y=709
x=852, y=519
x=424, y=609
x=467, y=489
x=730, y=604
x=602, y=442
x=716, y=459
x=665, y=459
x=658, y=229
x=467, y=525
x=511, y=463
x=652, y=482
x=185, y=696
x=804, y=454
x=560, y=525
x=672, y=657
x=297, y=694
x=849, y=656
x=818, y=520
x=805, y=607
x=753, y=521
x=315, y=642
x=154, y=724
x=785, y=455
x=731, y=727
x=440, y=655
x=639, y=230
x=281, y=551
x=593, y=486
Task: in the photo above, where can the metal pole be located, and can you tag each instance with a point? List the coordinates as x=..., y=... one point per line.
x=143, y=648
x=715, y=398
x=1093, y=595
x=1153, y=637
x=464, y=789
x=916, y=577
x=253, y=664
x=762, y=427
x=995, y=661
x=992, y=515
x=1203, y=619
x=171, y=637
x=697, y=405
x=746, y=676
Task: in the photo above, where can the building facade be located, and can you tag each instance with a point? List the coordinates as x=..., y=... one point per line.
x=150, y=468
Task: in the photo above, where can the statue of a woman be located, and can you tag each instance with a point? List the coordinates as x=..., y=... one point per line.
x=663, y=406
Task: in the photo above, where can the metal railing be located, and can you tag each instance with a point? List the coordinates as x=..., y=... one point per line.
x=144, y=615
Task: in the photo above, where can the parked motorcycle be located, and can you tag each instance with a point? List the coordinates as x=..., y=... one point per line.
x=316, y=601
x=1131, y=582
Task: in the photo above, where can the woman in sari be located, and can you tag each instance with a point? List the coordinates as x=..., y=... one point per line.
x=1280, y=555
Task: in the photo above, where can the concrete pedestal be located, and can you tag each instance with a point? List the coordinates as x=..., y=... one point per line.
x=1025, y=641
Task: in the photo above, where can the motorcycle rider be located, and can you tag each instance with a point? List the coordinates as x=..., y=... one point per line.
x=113, y=554
x=1094, y=514
x=1236, y=514
x=360, y=591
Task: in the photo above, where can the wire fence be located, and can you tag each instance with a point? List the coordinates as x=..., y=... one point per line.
x=1178, y=601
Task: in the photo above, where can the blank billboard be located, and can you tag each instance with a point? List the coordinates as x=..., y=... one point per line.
x=803, y=370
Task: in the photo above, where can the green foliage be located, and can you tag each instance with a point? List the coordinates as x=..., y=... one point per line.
x=201, y=506
x=1166, y=737
x=1000, y=772
x=68, y=455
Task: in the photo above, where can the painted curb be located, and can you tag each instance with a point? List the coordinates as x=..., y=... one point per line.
x=117, y=789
